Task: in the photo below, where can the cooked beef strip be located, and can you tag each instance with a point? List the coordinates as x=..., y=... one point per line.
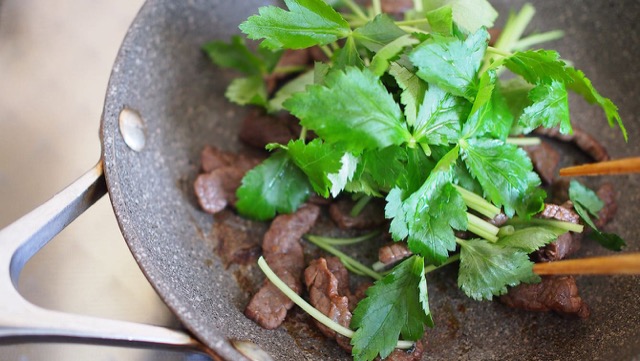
x=324, y=294
x=259, y=129
x=371, y=216
x=581, y=139
x=393, y=252
x=566, y=243
x=559, y=191
x=283, y=252
x=608, y=196
x=545, y=160
x=499, y=220
x=239, y=239
x=212, y=158
x=554, y=293
x=289, y=58
x=217, y=189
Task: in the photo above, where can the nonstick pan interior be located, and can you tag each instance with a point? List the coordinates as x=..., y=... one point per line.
x=161, y=73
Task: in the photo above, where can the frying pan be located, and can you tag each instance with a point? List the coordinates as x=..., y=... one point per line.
x=165, y=101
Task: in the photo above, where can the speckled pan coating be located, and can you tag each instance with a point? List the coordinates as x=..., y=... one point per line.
x=161, y=72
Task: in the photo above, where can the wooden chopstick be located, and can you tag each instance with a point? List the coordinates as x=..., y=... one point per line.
x=618, y=166
x=626, y=264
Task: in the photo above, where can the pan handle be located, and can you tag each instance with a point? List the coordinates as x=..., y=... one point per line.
x=22, y=321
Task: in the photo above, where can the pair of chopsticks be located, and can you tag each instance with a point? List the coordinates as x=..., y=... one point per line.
x=627, y=264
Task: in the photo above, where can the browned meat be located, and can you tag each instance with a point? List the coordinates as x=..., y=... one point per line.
x=545, y=160
x=239, y=239
x=567, y=243
x=259, y=129
x=608, y=196
x=217, y=189
x=340, y=273
x=212, y=158
x=396, y=6
x=393, y=252
x=412, y=354
x=559, y=192
x=290, y=58
x=581, y=139
x=372, y=215
x=499, y=220
x=283, y=252
x=494, y=34
x=324, y=294
x=554, y=293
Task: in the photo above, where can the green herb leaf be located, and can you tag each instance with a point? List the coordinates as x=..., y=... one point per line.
x=236, y=55
x=378, y=32
x=381, y=168
x=469, y=14
x=428, y=215
x=307, y=23
x=486, y=269
x=397, y=305
x=438, y=121
x=276, y=185
x=347, y=56
x=250, y=90
x=516, y=94
x=441, y=20
x=317, y=160
x=413, y=90
x=550, y=107
x=451, y=63
x=503, y=170
x=381, y=60
x=528, y=239
x=294, y=86
x=353, y=106
x=585, y=201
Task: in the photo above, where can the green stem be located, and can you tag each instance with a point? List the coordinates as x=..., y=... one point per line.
x=524, y=141
x=412, y=22
x=514, y=28
x=497, y=51
x=328, y=52
x=506, y=231
x=359, y=206
x=377, y=8
x=345, y=241
x=378, y=266
x=477, y=203
x=289, y=69
x=535, y=39
x=344, y=258
x=303, y=133
x=482, y=228
x=431, y=268
x=411, y=29
x=355, y=8
x=417, y=5
x=565, y=226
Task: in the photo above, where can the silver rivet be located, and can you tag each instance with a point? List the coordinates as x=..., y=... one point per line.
x=132, y=129
x=251, y=351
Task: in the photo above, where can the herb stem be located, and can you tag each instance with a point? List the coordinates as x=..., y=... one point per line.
x=412, y=22
x=514, y=28
x=431, y=267
x=345, y=241
x=377, y=8
x=303, y=133
x=497, y=51
x=289, y=69
x=346, y=260
x=535, y=39
x=524, y=141
x=565, y=226
x=355, y=9
x=482, y=228
x=359, y=206
x=417, y=5
x=478, y=203
x=412, y=29
x=328, y=52
x=506, y=231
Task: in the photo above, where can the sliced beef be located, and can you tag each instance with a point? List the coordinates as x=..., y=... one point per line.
x=559, y=191
x=581, y=139
x=567, y=243
x=393, y=252
x=499, y=220
x=259, y=129
x=554, y=293
x=371, y=216
x=396, y=7
x=216, y=188
x=608, y=196
x=283, y=252
x=239, y=239
x=545, y=160
x=289, y=58
x=327, y=294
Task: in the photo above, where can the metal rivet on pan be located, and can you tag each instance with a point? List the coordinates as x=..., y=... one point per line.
x=250, y=350
x=132, y=129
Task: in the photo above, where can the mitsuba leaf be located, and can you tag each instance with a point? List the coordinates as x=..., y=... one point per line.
x=549, y=108
x=515, y=92
x=441, y=20
x=352, y=107
x=469, y=14
x=294, y=86
x=317, y=160
x=381, y=61
x=347, y=56
x=236, y=55
x=378, y=32
x=428, y=215
x=413, y=90
x=339, y=180
x=451, y=63
x=528, y=239
x=276, y=185
x=585, y=201
x=307, y=23
x=504, y=170
x=397, y=305
x=382, y=167
x=250, y=90
x=438, y=121
x=486, y=269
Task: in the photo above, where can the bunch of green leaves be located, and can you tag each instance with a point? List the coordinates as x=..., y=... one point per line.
x=412, y=111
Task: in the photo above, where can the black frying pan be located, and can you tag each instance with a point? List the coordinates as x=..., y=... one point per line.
x=161, y=74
